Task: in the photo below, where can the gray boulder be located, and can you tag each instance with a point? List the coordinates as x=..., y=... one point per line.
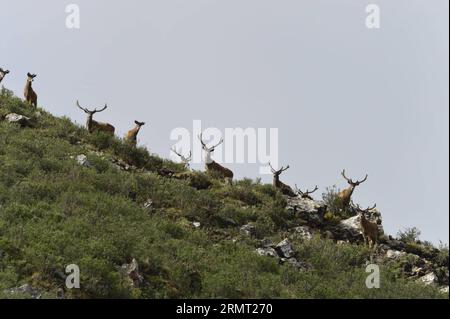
x=18, y=119
x=82, y=160
x=24, y=290
x=131, y=271
x=303, y=232
x=285, y=249
x=248, y=230
x=309, y=210
x=267, y=251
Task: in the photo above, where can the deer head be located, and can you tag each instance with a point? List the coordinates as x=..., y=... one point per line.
x=307, y=193
x=363, y=212
x=139, y=124
x=208, y=150
x=351, y=182
x=277, y=173
x=90, y=113
x=184, y=160
x=30, y=77
x=3, y=73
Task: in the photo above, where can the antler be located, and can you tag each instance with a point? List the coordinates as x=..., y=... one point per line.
x=82, y=108
x=350, y=181
x=368, y=209
x=281, y=170
x=94, y=111
x=185, y=159
x=200, y=137
x=308, y=192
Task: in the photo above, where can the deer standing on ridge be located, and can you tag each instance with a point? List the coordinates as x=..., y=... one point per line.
x=285, y=189
x=30, y=95
x=345, y=195
x=306, y=195
x=184, y=160
x=131, y=136
x=92, y=125
x=3, y=74
x=213, y=166
x=369, y=229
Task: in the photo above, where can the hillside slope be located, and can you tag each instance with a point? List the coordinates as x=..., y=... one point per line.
x=137, y=232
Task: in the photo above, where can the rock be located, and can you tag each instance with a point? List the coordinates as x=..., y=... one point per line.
x=267, y=251
x=285, y=249
x=394, y=254
x=267, y=243
x=26, y=289
x=131, y=270
x=248, y=230
x=309, y=210
x=196, y=224
x=18, y=119
x=429, y=279
x=394, y=243
x=148, y=205
x=303, y=232
x=444, y=290
x=300, y=265
x=83, y=161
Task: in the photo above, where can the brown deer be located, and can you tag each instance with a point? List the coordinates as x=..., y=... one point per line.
x=94, y=126
x=369, y=229
x=131, y=136
x=305, y=195
x=3, y=74
x=213, y=166
x=184, y=160
x=345, y=195
x=30, y=95
x=285, y=189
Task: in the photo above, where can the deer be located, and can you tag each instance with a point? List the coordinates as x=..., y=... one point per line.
x=305, y=195
x=285, y=189
x=3, y=73
x=131, y=136
x=369, y=229
x=345, y=195
x=184, y=160
x=30, y=95
x=213, y=166
x=94, y=126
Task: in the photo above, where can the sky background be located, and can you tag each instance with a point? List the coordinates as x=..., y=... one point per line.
x=342, y=96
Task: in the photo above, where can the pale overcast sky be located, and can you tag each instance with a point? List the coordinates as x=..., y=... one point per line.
x=341, y=95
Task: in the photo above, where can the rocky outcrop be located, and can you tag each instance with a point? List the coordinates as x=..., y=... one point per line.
x=19, y=119
x=309, y=210
x=25, y=290
x=284, y=252
x=131, y=272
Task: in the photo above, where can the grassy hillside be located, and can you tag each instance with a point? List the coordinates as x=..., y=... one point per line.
x=55, y=212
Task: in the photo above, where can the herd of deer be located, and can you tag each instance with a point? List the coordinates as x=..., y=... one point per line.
x=369, y=229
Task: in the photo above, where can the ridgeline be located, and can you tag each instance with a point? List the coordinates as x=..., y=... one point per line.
x=139, y=226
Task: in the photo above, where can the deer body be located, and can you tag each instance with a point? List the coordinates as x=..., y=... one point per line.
x=211, y=165
x=285, y=189
x=369, y=229
x=29, y=94
x=3, y=74
x=94, y=126
x=345, y=196
x=131, y=136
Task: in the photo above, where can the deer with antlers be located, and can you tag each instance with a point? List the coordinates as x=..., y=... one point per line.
x=29, y=93
x=184, y=160
x=213, y=166
x=3, y=74
x=345, y=195
x=131, y=136
x=306, y=195
x=369, y=229
x=94, y=126
x=285, y=189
